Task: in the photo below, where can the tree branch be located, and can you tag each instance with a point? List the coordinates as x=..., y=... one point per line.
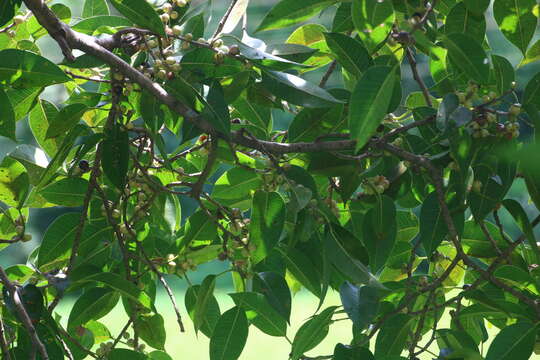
x=23, y=315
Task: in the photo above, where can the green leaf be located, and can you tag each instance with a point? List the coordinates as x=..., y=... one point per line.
x=520, y=216
x=392, y=338
x=468, y=55
x=94, y=304
x=212, y=312
x=532, y=55
x=531, y=94
x=347, y=256
x=380, y=231
x=199, y=227
x=367, y=15
x=58, y=239
x=504, y=73
x=216, y=110
x=91, y=24
x=7, y=10
x=40, y=118
x=309, y=124
x=204, y=296
x=312, y=332
x=115, y=160
x=236, y=183
x=463, y=20
x=312, y=35
x=478, y=7
x=265, y=318
x=126, y=354
x=475, y=242
x=230, y=335
x=350, y=53
x=514, y=342
x=7, y=117
x=151, y=329
x=141, y=13
x=432, y=226
x=119, y=284
x=343, y=18
x=347, y=352
x=370, y=100
x=23, y=100
x=302, y=269
x=361, y=303
x=290, y=12
x=66, y=192
x=267, y=221
x=296, y=90
x=26, y=69
x=159, y=355
x=65, y=120
x=275, y=290
x=14, y=182
x=95, y=8
x=516, y=20
x=235, y=16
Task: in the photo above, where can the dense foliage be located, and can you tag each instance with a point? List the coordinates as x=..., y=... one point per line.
x=398, y=200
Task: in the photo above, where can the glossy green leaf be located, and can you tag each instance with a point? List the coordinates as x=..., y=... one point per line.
x=347, y=352
x=141, y=13
x=265, y=318
x=520, y=216
x=503, y=72
x=369, y=103
x=267, y=220
x=433, y=229
x=235, y=16
x=211, y=314
x=478, y=7
x=312, y=332
x=40, y=118
x=393, y=335
x=312, y=35
x=199, y=227
x=290, y=12
x=151, y=329
x=302, y=269
x=467, y=54
x=296, y=90
x=236, y=183
x=380, y=231
x=95, y=8
x=115, y=159
x=350, y=53
x=216, y=110
x=92, y=305
x=65, y=120
x=516, y=21
x=58, y=239
x=309, y=124
x=463, y=20
x=7, y=10
x=361, y=303
x=348, y=255
x=26, y=69
x=532, y=91
x=204, y=296
x=276, y=291
x=230, y=336
x=7, y=118
x=532, y=54
x=91, y=24
x=14, y=182
x=514, y=342
x=66, y=192
x=23, y=100
x=118, y=284
x=126, y=354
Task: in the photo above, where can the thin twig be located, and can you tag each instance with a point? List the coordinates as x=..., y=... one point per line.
x=224, y=19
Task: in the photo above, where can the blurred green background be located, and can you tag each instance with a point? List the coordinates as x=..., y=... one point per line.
x=260, y=346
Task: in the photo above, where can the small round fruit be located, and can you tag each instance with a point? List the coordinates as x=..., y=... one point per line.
x=118, y=76
x=19, y=19
x=26, y=238
x=165, y=18
x=19, y=229
x=167, y=7
x=84, y=166
x=234, y=50
x=477, y=186
x=177, y=30
x=515, y=109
